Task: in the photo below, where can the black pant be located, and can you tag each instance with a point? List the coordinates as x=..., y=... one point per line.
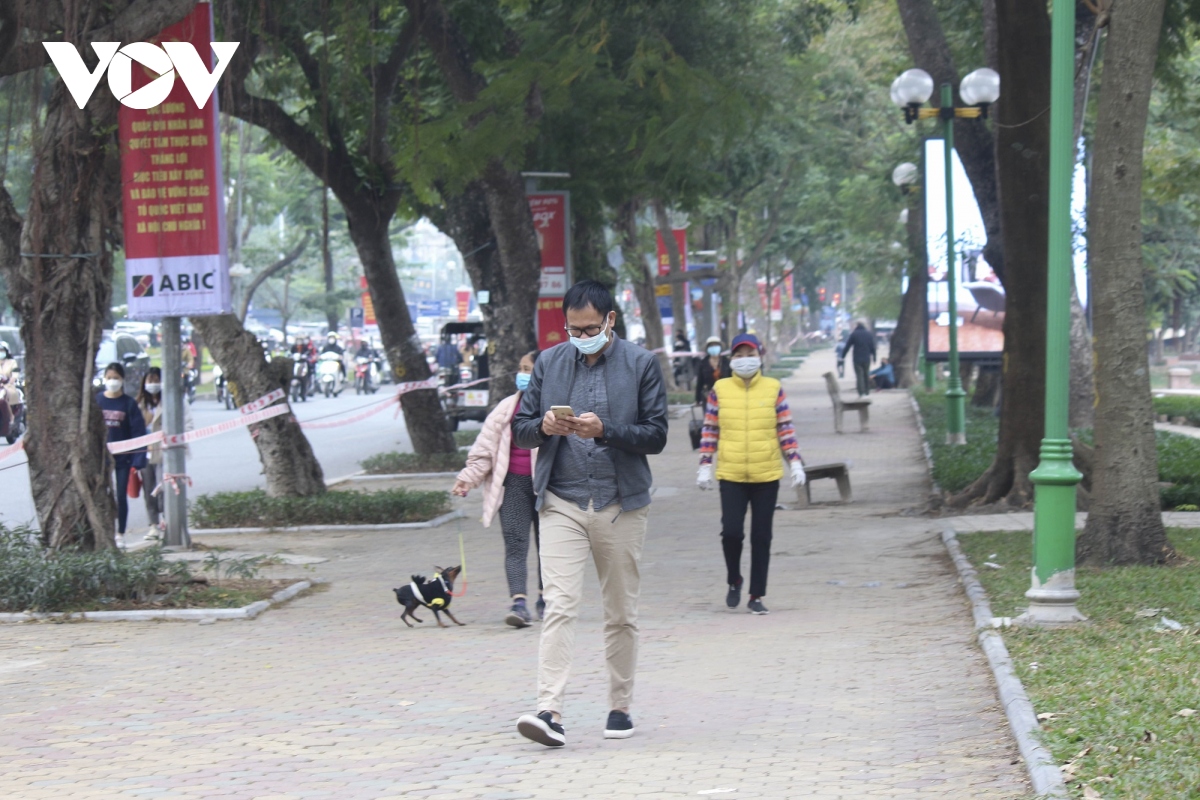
x=862, y=375
x=122, y=473
x=761, y=499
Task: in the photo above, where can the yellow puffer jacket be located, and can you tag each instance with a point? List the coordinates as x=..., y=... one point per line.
x=748, y=448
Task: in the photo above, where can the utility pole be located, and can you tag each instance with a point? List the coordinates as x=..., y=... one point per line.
x=174, y=462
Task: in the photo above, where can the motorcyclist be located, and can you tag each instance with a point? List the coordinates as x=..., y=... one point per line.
x=303, y=346
x=9, y=397
x=332, y=345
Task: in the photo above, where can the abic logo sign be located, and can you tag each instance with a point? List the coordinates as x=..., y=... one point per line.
x=164, y=61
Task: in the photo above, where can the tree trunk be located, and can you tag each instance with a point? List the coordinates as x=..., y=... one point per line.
x=62, y=302
x=1083, y=380
x=1124, y=523
x=643, y=283
x=509, y=326
x=331, y=315
x=288, y=259
x=423, y=415
x=973, y=141
x=288, y=462
x=1022, y=146
x=910, y=326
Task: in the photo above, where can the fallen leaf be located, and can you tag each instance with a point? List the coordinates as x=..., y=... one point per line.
x=1146, y=613
x=1150, y=737
x=1091, y=794
x=992, y=565
x=1103, y=779
x=1045, y=715
x=1082, y=753
x=1186, y=712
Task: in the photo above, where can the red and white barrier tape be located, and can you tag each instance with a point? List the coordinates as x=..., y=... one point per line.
x=139, y=443
x=173, y=481
x=372, y=410
x=12, y=449
x=262, y=402
x=455, y=387
x=224, y=427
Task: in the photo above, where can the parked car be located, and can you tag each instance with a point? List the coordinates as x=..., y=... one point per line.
x=11, y=336
x=118, y=346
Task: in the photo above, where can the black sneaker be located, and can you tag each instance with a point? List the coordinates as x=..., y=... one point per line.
x=756, y=606
x=542, y=729
x=541, y=608
x=734, y=596
x=518, y=616
x=619, y=726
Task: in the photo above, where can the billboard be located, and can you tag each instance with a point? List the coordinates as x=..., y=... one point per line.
x=171, y=191
x=663, y=293
x=979, y=294
x=551, y=221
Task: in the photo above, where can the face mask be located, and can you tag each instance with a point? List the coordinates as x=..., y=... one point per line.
x=746, y=366
x=153, y=388
x=714, y=350
x=113, y=384
x=523, y=381
x=589, y=347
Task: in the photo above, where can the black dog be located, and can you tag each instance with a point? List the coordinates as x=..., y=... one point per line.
x=433, y=594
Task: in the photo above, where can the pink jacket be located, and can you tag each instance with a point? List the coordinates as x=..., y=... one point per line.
x=487, y=461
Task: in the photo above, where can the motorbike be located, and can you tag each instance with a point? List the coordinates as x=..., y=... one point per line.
x=16, y=424
x=191, y=379
x=299, y=385
x=329, y=374
x=366, y=374
x=224, y=395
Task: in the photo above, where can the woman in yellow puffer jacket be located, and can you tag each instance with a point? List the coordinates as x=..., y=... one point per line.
x=748, y=427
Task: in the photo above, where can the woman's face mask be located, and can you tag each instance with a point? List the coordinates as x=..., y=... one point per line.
x=714, y=349
x=523, y=381
x=153, y=388
x=113, y=384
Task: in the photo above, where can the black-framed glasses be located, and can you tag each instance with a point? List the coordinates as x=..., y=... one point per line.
x=588, y=332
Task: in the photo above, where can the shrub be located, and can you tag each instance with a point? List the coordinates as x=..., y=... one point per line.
x=1178, y=406
x=466, y=438
x=398, y=463
x=257, y=509
x=33, y=578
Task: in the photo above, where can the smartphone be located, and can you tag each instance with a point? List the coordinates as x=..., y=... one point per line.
x=562, y=411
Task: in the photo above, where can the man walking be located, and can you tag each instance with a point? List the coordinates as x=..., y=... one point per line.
x=593, y=495
x=862, y=345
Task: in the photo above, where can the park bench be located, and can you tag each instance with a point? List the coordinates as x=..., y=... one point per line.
x=813, y=472
x=862, y=405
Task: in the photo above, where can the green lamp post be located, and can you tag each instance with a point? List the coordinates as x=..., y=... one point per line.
x=1052, y=594
x=978, y=90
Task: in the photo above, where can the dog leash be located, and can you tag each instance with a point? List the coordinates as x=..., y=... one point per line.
x=462, y=551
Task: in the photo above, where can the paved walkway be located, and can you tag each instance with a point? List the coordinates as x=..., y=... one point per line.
x=862, y=682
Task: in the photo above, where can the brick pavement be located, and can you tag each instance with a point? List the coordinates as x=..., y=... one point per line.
x=862, y=682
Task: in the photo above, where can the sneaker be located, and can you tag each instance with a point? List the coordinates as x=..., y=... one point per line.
x=542, y=729
x=120, y=541
x=756, y=606
x=619, y=725
x=518, y=616
x=541, y=608
x=734, y=596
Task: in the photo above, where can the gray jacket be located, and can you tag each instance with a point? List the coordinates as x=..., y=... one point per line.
x=637, y=423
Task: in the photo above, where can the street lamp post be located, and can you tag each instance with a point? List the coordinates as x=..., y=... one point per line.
x=1052, y=593
x=978, y=90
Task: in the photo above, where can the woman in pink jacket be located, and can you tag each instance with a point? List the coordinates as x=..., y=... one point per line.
x=506, y=473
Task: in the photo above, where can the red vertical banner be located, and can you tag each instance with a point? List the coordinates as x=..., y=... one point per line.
x=551, y=213
x=172, y=194
x=368, y=306
x=550, y=322
x=462, y=302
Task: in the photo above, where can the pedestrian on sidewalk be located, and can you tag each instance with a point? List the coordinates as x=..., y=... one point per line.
x=149, y=401
x=124, y=421
x=593, y=495
x=713, y=367
x=748, y=426
x=862, y=345
x=505, y=469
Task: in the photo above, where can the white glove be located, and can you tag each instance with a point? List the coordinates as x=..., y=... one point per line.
x=798, y=476
x=704, y=478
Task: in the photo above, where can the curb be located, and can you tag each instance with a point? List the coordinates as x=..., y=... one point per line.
x=1044, y=773
x=393, y=526
x=361, y=477
x=937, y=490
x=168, y=614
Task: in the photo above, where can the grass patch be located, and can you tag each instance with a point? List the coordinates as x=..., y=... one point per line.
x=394, y=463
x=681, y=398
x=466, y=438
x=1116, y=685
x=256, y=509
x=956, y=467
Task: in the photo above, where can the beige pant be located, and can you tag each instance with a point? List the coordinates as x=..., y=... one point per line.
x=568, y=535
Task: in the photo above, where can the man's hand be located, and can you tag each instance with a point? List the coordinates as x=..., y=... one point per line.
x=587, y=426
x=556, y=426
